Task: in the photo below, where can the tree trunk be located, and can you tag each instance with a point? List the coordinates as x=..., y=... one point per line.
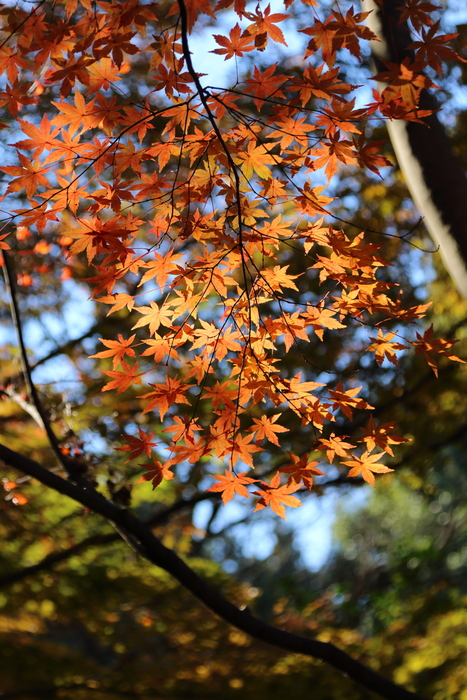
x=433, y=174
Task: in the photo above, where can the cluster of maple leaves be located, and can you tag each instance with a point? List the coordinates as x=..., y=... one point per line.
x=191, y=193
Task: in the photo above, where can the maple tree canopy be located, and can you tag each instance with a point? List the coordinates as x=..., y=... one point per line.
x=200, y=213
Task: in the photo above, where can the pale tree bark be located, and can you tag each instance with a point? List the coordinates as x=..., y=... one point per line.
x=434, y=175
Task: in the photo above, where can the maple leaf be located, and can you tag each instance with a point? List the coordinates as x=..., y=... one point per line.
x=289, y=130
x=433, y=47
x=15, y=96
x=265, y=429
x=118, y=301
x=404, y=80
x=346, y=400
x=323, y=34
x=118, y=349
x=277, y=496
x=69, y=71
x=265, y=24
x=230, y=484
x=426, y=344
x=367, y=154
x=10, y=61
x=217, y=341
x=236, y=45
x=80, y=116
x=42, y=138
x=378, y=436
x=383, y=347
x=349, y=30
x=221, y=393
x=256, y=159
x=164, y=395
x=115, y=43
x=193, y=9
x=160, y=268
x=101, y=74
x=154, y=316
x=335, y=445
x=161, y=347
x=277, y=279
x=137, y=445
x=320, y=318
x=265, y=85
x=301, y=471
x=311, y=201
x=241, y=448
x=239, y=5
x=183, y=428
x=122, y=379
x=417, y=12
x=313, y=82
x=30, y=175
x=156, y=473
x=331, y=153
x=366, y=466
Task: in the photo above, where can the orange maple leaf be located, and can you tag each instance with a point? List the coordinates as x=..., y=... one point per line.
x=230, y=484
x=383, y=347
x=236, y=45
x=366, y=466
x=256, y=159
x=101, y=74
x=183, y=428
x=137, y=445
x=241, y=448
x=156, y=473
x=154, y=316
x=265, y=85
x=301, y=471
x=265, y=429
x=433, y=47
x=164, y=395
x=321, y=318
x=122, y=379
x=378, y=436
x=417, y=11
x=277, y=496
x=426, y=344
x=335, y=445
x=30, y=175
x=346, y=400
x=265, y=24
x=118, y=349
x=3, y=245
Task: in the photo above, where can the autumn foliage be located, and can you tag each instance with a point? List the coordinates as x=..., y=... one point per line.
x=184, y=204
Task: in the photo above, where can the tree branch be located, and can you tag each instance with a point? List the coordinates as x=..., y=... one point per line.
x=140, y=537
